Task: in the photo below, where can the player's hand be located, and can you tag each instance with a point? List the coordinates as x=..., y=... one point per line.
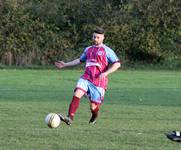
x=60, y=64
x=103, y=75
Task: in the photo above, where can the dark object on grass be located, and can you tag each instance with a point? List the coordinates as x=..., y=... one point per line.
x=174, y=136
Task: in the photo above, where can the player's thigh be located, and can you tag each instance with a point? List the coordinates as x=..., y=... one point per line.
x=81, y=87
x=96, y=94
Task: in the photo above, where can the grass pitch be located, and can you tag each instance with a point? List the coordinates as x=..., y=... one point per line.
x=139, y=107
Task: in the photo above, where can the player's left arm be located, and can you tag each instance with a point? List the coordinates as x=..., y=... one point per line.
x=113, y=60
x=112, y=69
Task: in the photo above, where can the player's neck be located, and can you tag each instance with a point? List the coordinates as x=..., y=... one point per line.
x=99, y=45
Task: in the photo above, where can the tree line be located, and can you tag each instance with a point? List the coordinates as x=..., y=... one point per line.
x=42, y=31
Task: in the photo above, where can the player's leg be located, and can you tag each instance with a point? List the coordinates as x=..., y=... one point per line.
x=74, y=105
x=96, y=96
x=79, y=91
x=94, y=107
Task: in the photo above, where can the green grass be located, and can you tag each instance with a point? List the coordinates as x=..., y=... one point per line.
x=139, y=107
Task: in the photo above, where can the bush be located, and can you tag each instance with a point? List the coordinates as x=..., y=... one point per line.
x=42, y=31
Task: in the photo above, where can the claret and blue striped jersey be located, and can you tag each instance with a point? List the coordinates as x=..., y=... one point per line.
x=97, y=59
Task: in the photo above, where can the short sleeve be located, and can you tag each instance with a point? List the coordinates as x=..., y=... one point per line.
x=111, y=55
x=83, y=57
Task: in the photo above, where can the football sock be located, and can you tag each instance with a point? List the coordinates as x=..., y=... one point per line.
x=95, y=112
x=73, y=107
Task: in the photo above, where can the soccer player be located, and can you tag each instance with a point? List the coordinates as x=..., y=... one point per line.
x=100, y=61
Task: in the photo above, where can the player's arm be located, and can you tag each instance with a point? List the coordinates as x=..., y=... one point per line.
x=61, y=64
x=113, y=60
x=112, y=69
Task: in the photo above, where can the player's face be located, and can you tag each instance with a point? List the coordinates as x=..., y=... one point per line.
x=98, y=38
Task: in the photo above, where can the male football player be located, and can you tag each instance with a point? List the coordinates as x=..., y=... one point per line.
x=100, y=61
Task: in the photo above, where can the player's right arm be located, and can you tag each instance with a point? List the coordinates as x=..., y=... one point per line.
x=62, y=64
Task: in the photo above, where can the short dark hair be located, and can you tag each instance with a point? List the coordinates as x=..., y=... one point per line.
x=99, y=30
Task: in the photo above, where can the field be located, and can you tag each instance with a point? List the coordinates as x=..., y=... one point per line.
x=139, y=108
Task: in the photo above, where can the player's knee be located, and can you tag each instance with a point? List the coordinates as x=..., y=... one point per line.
x=94, y=108
x=78, y=93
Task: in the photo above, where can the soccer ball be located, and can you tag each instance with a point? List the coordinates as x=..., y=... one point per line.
x=52, y=120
